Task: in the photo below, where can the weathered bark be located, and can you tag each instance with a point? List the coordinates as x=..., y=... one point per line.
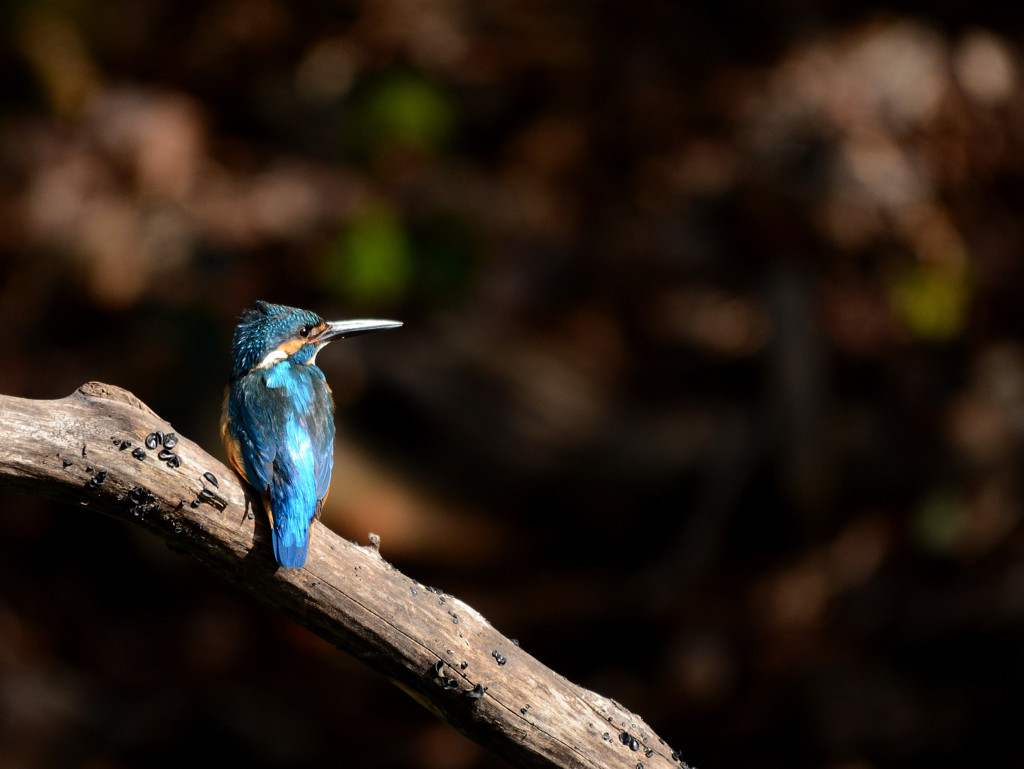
x=435, y=647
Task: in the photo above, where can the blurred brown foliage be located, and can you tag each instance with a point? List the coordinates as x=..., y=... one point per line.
x=711, y=389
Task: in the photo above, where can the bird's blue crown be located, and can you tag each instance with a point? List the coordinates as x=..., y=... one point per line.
x=262, y=328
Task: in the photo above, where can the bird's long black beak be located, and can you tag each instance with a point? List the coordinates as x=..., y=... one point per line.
x=340, y=329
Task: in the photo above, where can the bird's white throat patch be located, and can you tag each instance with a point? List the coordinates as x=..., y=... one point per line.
x=272, y=357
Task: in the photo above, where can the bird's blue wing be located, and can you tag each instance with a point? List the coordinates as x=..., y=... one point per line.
x=321, y=431
x=251, y=424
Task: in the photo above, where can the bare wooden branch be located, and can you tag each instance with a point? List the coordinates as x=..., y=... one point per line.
x=438, y=649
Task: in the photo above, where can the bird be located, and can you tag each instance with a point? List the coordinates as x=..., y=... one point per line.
x=278, y=418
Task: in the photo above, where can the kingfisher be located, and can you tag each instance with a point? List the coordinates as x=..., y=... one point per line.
x=278, y=418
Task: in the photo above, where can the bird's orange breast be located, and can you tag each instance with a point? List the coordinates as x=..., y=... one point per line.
x=231, y=445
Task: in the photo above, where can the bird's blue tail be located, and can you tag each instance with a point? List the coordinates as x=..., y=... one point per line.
x=291, y=546
x=293, y=506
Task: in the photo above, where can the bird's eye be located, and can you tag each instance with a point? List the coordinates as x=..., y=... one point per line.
x=304, y=331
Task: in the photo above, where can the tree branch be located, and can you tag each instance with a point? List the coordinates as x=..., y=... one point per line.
x=89, y=449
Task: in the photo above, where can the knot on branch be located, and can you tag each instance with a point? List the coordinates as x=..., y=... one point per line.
x=114, y=393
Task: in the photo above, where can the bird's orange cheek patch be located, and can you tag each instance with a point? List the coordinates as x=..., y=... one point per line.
x=291, y=347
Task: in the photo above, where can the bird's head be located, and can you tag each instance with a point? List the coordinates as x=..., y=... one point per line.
x=270, y=333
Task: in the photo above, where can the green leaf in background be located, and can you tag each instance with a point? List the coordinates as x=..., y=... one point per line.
x=932, y=301
x=371, y=262
x=405, y=112
x=938, y=522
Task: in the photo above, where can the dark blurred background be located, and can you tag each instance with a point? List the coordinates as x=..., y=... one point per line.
x=711, y=389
